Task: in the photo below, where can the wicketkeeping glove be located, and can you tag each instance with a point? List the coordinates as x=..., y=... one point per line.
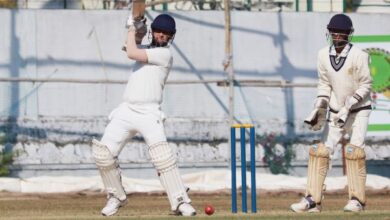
x=341, y=117
x=317, y=117
x=350, y=101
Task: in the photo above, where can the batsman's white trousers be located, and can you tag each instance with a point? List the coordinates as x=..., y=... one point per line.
x=126, y=122
x=355, y=126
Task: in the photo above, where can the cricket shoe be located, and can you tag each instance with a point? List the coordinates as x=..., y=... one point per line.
x=112, y=206
x=353, y=205
x=185, y=209
x=306, y=205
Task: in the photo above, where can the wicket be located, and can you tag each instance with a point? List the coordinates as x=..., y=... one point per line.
x=243, y=128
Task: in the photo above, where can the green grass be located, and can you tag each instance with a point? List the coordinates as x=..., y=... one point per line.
x=271, y=206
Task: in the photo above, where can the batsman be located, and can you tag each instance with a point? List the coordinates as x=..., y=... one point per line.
x=140, y=112
x=342, y=106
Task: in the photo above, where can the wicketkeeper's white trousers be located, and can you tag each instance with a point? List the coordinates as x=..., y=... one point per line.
x=355, y=127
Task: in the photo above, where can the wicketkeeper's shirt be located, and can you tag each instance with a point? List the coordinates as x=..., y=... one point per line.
x=343, y=75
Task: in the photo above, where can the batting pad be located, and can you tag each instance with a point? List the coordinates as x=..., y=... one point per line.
x=355, y=159
x=165, y=162
x=317, y=170
x=109, y=170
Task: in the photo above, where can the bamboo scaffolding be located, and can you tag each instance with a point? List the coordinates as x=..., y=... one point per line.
x=219, y=82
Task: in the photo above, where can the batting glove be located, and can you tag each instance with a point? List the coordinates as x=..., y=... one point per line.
x=139, y=23
x=140, y=29
x=129, y=21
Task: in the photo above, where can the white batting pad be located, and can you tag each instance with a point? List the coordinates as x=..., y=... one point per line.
x=165, y=162
x=109, y=170
x=317, y=170
x=355, y=159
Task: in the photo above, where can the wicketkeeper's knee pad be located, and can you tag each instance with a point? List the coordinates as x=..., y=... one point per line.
x=355, y=159
x=317, y=169
x=166, y=164
x=109, y=170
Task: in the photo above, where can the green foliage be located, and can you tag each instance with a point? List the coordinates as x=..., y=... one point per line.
x=348, y=6
x=2, y=138
x=6, y=158
x=278, y=153
x=8, y=4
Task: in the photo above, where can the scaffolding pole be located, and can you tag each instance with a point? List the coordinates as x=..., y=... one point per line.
x=219, y=82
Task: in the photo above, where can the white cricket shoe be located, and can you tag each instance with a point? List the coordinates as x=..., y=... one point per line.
x=112, y=206
x=305, y=205
x=185, y=209
x=353, y=205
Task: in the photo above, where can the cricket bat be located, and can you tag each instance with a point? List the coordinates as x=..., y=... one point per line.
x=138, y=11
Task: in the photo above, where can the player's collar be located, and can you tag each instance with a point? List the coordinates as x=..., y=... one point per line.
x=344, y=52
x=337, y=61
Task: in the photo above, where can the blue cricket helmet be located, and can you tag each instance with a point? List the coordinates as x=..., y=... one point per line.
x=164, y=22
x=340, y=22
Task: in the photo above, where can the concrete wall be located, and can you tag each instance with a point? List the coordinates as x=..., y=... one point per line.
x=53, y=123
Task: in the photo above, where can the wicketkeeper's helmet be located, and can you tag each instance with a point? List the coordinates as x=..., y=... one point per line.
x=340, y=22
x=339, y=25
x=164, y=22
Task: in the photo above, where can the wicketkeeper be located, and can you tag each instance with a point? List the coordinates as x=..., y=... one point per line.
x=140, y=112
x=343, y=106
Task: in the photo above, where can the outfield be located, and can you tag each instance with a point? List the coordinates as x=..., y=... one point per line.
x=155, y=206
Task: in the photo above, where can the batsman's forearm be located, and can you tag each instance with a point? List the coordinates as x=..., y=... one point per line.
x=130, y=44
x=132, y=50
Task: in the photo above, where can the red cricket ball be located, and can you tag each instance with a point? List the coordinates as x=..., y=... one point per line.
x=209, y=209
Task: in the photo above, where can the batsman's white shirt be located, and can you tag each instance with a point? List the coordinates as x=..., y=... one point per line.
x=140, y=111
x=341, y=76
x=146, y=82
